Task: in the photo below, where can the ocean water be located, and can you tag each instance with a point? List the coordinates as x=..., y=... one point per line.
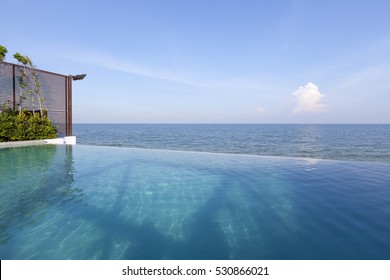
x=341, y=142
x=89, y=202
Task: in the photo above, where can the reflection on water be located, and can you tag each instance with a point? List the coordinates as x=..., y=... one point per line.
x=114, y=203
x=33, y=179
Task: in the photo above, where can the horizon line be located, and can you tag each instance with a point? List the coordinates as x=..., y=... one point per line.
x=227, y=123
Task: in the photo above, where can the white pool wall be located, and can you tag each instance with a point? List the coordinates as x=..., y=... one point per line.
x=68, y=140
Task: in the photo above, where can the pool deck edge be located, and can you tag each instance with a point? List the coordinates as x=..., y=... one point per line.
x=68, y=140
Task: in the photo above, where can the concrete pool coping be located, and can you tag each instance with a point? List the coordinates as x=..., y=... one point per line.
x=68, y=140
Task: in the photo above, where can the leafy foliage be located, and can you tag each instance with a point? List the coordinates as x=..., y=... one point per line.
x=3, y=52
x=7, y=122
x=25, y=126
x=23, y=59
x=28, y=82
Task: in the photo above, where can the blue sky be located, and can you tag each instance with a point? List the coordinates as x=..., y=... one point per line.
x=214, y=61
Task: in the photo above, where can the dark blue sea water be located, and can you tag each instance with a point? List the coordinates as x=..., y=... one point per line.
x=342, y=142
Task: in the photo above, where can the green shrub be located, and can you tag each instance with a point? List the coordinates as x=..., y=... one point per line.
x=7, y=123
x=25, y=126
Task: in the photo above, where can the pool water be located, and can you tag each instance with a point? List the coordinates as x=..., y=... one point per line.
x=86, y=202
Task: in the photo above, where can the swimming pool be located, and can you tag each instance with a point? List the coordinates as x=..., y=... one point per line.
x=86, y=202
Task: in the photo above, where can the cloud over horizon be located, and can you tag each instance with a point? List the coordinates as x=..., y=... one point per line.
x=260, y=110
x=308, y=98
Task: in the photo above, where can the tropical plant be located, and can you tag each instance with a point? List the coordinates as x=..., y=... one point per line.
x=7, y=121
x=3, y=52
x=29, y=83
x=24, y=124
x=32, y=127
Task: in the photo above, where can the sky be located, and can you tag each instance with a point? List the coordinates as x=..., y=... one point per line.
x=211, y=61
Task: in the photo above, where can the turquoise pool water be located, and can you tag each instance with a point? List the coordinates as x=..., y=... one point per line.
x=86, y=202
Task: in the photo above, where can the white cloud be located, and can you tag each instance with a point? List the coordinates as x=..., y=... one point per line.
x=260, y=110
x=308, y=98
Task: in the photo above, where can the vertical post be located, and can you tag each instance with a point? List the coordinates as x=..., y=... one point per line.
x=14, y=86
x=68, y=105
x=70, y=120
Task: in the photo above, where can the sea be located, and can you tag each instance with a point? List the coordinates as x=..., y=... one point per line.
x=351, y=142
